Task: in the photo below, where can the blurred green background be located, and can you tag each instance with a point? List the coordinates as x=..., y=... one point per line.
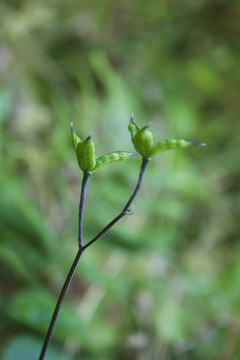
x=164, y=283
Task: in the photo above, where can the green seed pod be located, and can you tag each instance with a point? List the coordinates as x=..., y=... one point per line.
x=171, y=144
x=75, y=139
x=112, y=157
x=143, y=141
x=86, y=154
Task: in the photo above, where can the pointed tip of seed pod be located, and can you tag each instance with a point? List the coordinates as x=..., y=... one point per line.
x=89, y=137
x=131, y=120
x=72, y=127
x=197, y=143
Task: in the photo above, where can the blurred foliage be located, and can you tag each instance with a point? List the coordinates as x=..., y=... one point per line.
x=163, y=284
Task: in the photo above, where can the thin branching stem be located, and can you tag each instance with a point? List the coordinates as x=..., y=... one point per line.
x=72, y=269
x=125, y=210
x=82, y=247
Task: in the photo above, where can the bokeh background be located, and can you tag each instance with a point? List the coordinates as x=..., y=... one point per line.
x=164, y=283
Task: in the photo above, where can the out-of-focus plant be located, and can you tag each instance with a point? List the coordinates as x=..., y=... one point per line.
x=142, y=140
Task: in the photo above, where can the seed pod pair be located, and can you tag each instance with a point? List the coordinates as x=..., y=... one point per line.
x=142, y=140
x=85, y=151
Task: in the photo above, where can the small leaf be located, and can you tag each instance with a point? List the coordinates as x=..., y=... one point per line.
x=112, y=157
x=172, y=144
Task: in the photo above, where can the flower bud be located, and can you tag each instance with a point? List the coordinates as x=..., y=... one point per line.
x=85, y=152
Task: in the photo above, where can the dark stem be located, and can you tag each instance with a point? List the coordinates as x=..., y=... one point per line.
x=81, y=206
x=59, y=304
x=83, y=248
x=72, y=269
x=125, y=209
x=139, y=184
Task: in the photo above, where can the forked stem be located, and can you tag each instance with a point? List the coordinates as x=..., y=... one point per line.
x=124, y=212
x=82, y=247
